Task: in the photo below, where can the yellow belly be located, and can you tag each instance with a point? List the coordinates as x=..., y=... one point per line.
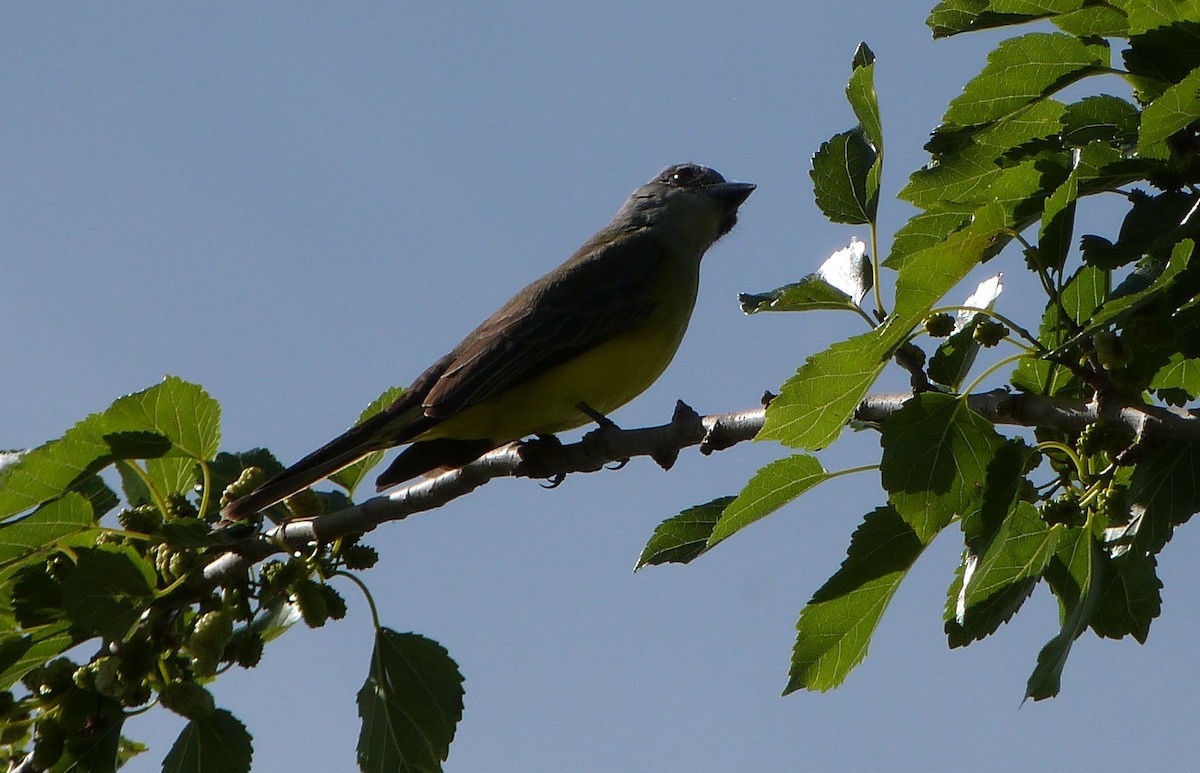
x=604, y=378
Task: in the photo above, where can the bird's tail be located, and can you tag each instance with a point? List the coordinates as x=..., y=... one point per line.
x=374, y=434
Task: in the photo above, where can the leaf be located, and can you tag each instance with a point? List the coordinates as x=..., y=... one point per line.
x=1021, y=550
x=860, y=93
x=839, y=284
x=174, y=409
x=1146, y=15
x=1178, y=106
x=1164, y=491
x=935, y=456
x=1076, y=581
x=409, y=705
x=967, y=624
x=50, y=523
x=925, y=230
x=350, y=477
x=1179, y=373
x=951, y=17
x=931, y=273
x=1022, y=70
x=968, y=160
x=954, y=357
x=835, y=627
x=684, y=537
x=1101, y=118
x=771, y=488
x=96, y=747
x=1129, y=598
x=814, y=405
x=1097, y=20
x=107, y=590
x=1081, y=296
x=218, y=743
x=181, y=411
x=1122, y=303
x=21, y=653
x=1144, y=224
x=840, y=173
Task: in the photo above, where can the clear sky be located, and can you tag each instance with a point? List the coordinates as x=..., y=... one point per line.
x=298, y=206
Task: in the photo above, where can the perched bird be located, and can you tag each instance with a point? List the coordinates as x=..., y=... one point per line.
x=576, y=344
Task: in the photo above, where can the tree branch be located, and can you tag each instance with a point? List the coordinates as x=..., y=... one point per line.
x=1147, y=424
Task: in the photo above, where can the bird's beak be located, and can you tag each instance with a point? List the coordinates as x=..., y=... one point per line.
x=730, y=194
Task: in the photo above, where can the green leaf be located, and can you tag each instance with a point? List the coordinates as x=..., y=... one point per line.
x=409, y=705
x=771, y=488
x=814, y=405
x=350, y=477
x=1164, y=491
x=1022, y=70
x=1178, y=106
x=175, y=409
x=1122, y=303
x=967, y=624
x=50, y=523
x=1097, y=20
x=1075, y=576
x=1145, y=223
x=811, y=293
x=219, y=743
x=860, y=92
x=1102, y=118
x=96, y=747
x=1021, y=550
x=936, y=452
x=841, y=174
x=1180, y=373
x=1081, y=296
x=1146, y=15
x=931, y=273
x=107, y=590
x=835, y=627
x=21, y=653
x=181, y=411
x=925, y=230
x=967, y=161
x=1129, y=598
x=682, y=538
x=951, y=17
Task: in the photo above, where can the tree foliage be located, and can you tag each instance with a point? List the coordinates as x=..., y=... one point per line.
x=107, y=550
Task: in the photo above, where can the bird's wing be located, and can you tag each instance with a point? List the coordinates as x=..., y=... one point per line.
x=577, y=306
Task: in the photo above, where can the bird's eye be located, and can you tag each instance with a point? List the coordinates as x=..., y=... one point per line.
x=685, y=175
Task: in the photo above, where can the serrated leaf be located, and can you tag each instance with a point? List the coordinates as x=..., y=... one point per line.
x=1081, y=296
x=936, y=452
x=1102, y=118
x=967, y=624
x=1122, y=302
x=1022, y=70
x=684, y=537
x=967, y=160
x=814, y=405
x=925, y=230
x=350, y=477
x=771, y=488
x=860, y=92
x=1129, y=598
x=1020, y=550
x=954, y=357
x=1177, y=107
x=931, y=273
x=1145, y=223
x=839, y=284
x=21, y=653
x=1146, y=15
x=66, y=517
x=1164, y=491
x=1179, y=373
x=841, y=170
x=1076, y=581
x=96, y=748
x=179, y=410
x=218, y=743
x=1096, y=20
x=409, y=705
x=951, y=17
x=835, y=627
x=107, y=590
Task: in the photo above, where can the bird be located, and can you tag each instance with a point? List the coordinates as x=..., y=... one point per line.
x=568, y=349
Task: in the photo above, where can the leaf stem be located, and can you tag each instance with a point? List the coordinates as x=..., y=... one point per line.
x=362, y=586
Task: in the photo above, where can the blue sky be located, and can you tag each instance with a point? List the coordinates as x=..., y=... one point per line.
x=298, y=206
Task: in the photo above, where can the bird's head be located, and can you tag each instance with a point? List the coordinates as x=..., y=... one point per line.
x=694, y=197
